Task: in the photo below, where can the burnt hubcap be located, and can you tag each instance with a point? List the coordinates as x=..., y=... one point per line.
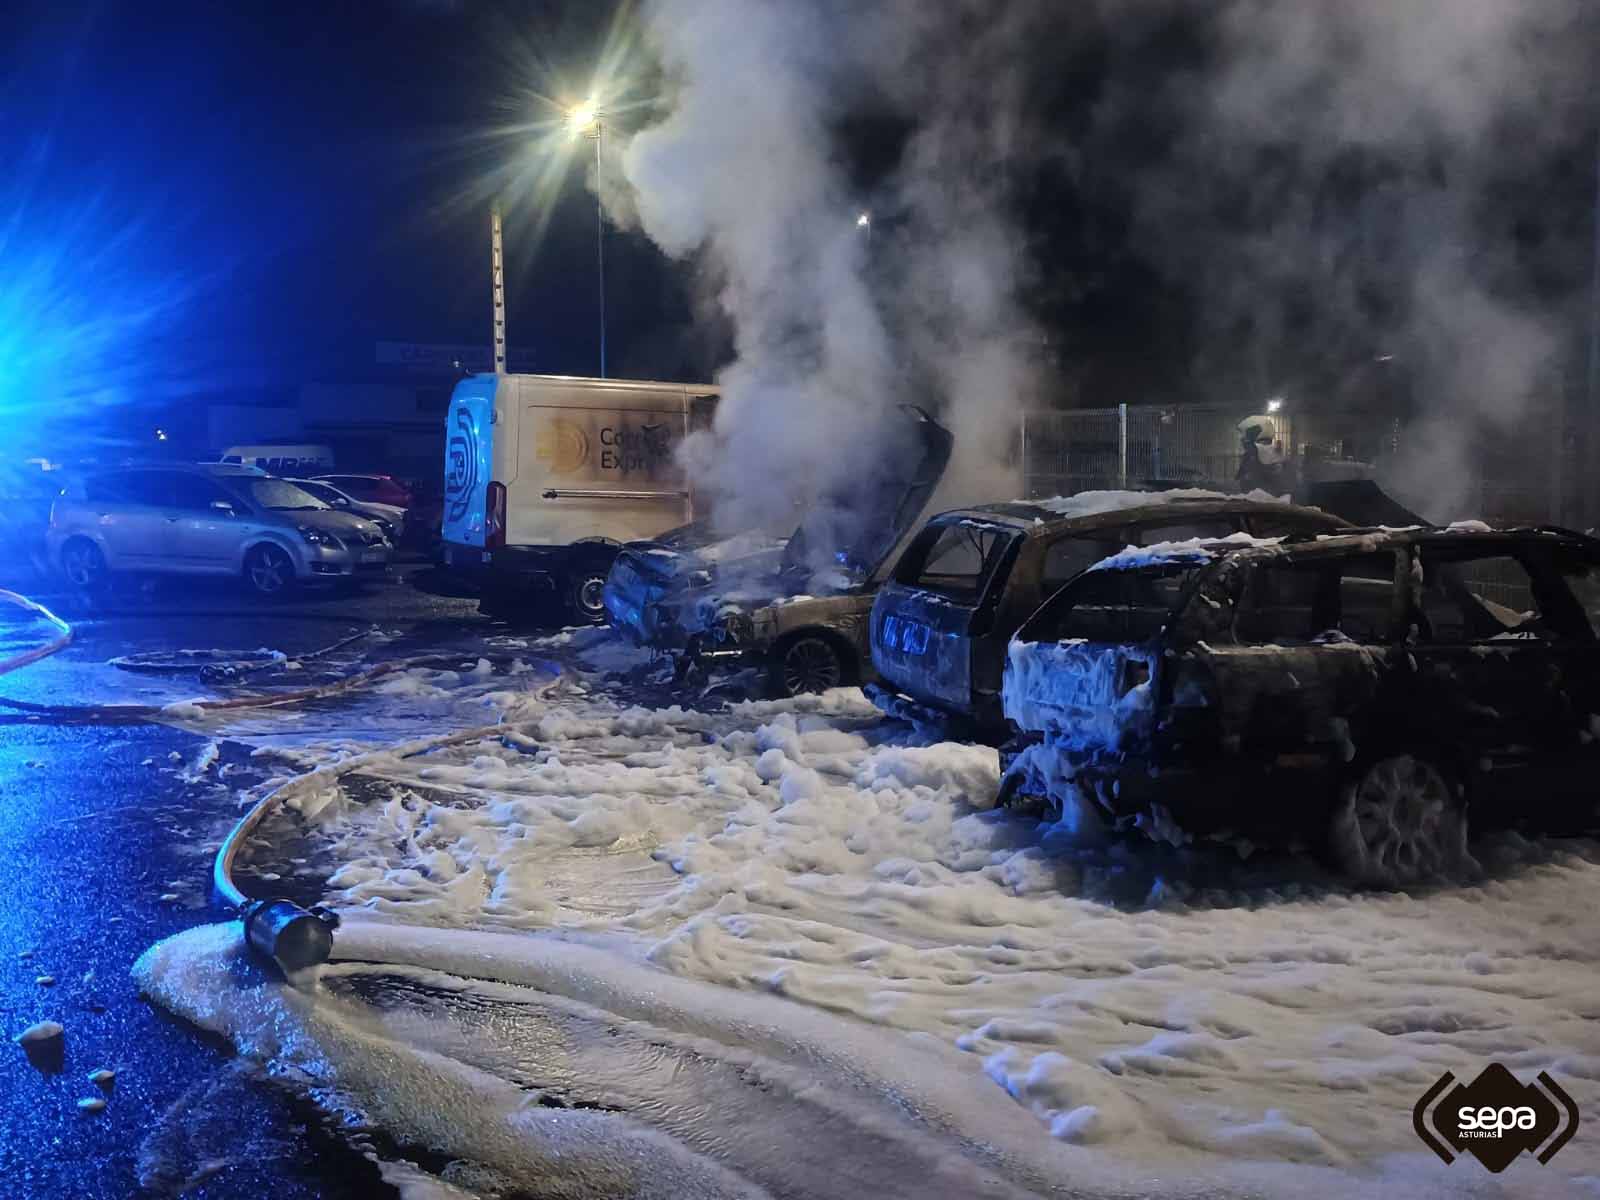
x=811, y=665
x=1404, y=813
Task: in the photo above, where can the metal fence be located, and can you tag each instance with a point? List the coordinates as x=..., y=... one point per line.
x=1087, y=449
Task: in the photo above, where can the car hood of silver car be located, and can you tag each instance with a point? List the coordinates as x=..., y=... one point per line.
x=342, y=525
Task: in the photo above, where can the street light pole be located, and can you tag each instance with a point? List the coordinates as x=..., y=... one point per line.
x=497, y=283
x=1591, y=442
x=587, y=120
x=600, y=238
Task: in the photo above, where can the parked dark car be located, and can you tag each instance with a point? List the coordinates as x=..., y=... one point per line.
x=390, y=519
x=1363, y=693
x=941, y=623
x=371, y=489
x=798, y=606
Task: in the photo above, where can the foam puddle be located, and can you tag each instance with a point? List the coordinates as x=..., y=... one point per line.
x=527, y=1058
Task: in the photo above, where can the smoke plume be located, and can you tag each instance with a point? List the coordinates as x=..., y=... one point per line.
x=1336, y=191
x=850, y=289
x=1348, y=195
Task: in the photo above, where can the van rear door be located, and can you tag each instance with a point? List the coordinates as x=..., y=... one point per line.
x=468, y=445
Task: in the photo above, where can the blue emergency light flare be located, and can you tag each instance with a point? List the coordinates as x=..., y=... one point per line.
x=84, y=294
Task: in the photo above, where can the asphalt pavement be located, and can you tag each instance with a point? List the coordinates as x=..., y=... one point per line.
x=106, y=840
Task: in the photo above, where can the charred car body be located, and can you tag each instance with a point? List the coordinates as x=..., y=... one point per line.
x=941, y=623
x=797, y=607
x=1361, y=692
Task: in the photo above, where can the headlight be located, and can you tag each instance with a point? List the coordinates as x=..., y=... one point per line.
x=318, y=537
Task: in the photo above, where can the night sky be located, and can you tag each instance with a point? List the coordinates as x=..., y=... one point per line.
x=299, y=171
x=301, y=180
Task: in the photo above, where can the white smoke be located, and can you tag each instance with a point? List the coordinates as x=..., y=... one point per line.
x=1326, y=185
x=835, y=322
x=1359, y=147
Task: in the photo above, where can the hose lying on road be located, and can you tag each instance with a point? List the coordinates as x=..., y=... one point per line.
x=144, y=714
x=290, y=936
x=45, y=651
x=223, y=665
x=280, y=930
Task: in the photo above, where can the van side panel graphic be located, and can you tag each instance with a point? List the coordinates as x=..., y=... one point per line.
x=469, y=442
x=461, y=465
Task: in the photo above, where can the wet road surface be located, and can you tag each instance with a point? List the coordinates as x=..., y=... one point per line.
x=106, y=840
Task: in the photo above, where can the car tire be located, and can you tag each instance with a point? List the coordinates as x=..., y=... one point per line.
x=585, y=595
x=1399, y=821
x=83, y=565
x=808, y=663
x=269, y=571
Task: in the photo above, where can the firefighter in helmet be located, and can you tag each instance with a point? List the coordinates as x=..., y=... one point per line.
x=1262, y=456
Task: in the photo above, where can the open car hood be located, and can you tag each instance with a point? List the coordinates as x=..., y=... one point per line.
x=1361, y=502
x=856, y=527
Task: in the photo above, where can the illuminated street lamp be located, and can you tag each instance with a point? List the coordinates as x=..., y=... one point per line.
x=864, y=223
x=1275, y=404
x=583, y=120
x=587, y=120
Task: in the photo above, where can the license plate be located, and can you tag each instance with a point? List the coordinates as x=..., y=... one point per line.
x=373, y=556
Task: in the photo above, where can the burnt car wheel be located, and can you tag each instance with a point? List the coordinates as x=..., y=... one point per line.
x=1399, y=822
x=810, y=663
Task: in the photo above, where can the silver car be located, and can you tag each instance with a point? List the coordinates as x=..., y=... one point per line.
x=390, y=518
x=211, y=519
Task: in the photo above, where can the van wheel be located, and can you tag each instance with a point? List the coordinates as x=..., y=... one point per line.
x=83, y=564
x=809, y=663
x=1398, y=822
x=269, y=571
x=586, y=596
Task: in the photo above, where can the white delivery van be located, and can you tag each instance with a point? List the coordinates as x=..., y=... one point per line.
x=545, y=476
x=281, y=458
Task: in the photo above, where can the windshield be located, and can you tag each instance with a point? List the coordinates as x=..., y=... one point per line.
x=328, y=495
x=280, y=494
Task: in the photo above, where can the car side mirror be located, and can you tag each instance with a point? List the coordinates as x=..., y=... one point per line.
x=223, y=507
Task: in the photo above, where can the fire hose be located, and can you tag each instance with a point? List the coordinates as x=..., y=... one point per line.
x=290, y=936
x=60, y=642
x=216, y=666
x=150, y=714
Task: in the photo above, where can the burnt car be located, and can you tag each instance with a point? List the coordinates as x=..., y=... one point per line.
x=941, y=623
x=1361, y=694
x=796, y=607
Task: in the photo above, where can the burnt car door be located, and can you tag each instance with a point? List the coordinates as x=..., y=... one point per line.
x=1287, y=651
x=1506, y=661
x=943, y=593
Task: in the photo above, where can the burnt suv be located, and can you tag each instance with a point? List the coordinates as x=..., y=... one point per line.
x=797, y=607
x=1361, y=693
x=941, y=623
